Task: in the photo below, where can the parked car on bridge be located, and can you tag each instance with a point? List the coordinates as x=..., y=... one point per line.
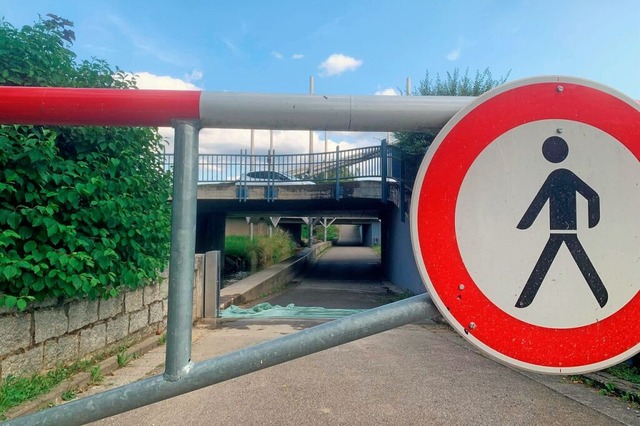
x=265, y=177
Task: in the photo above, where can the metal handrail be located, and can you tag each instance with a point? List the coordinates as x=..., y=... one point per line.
x=351, y=164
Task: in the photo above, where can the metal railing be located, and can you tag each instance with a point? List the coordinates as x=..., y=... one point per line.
x=352, y=164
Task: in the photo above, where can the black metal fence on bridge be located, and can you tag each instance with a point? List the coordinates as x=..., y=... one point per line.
x=381, y=162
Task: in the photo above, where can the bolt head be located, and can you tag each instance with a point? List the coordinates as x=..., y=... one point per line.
x=559, y=89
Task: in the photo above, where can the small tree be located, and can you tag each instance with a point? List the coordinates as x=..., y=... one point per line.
x=83, y=211
x=414, y=145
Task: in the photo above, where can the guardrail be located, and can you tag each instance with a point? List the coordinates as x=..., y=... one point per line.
x=368, y=162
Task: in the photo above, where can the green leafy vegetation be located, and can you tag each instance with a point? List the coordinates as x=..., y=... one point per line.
x=333, y=232
x=96, y=375
x=16, y=390
x=84, y=209
x=414, y=145
x=626, y=372
x=123, y=358
x=378, y=249
x=262, y=252
x=69, y=395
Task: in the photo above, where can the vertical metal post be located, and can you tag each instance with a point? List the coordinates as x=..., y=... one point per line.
x=383, y=172
x=326, y=142
x=403, y=191
x=253, y=148
x=337, y=172
x=183, y=243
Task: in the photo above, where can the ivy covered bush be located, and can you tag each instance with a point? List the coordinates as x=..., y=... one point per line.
x=83, y=210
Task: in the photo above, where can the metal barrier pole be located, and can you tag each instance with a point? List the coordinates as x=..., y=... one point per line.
x=234, y=364
x=183, y=243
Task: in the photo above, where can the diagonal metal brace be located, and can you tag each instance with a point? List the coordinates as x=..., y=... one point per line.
x=234, y=364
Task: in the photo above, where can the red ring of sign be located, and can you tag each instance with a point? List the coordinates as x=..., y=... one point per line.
x=439, y=249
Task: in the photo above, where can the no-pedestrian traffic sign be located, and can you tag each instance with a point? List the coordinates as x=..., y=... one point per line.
x=525, y=229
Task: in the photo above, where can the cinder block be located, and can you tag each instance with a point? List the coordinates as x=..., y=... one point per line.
x=117, y=328
x=164, y=289
x=50, y=323
x=152, y=294
x=155, y=312
x=82, y=313
x=24, y=364
x=138, y=320
x=93, y=339
x=133, y=300
x=111, y=307
x=15, y=332
x=64, y=350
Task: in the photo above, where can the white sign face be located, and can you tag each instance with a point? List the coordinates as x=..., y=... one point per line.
x=499, y=188
x=525, y=228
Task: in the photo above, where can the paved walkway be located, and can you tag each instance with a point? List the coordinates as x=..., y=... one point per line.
x=417, y=374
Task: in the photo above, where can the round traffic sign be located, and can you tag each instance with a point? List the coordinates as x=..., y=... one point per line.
x=524, y=224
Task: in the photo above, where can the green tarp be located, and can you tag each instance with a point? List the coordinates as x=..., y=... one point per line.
x=267, y=310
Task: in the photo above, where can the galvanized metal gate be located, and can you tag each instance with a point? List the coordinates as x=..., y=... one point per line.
x=188, y=112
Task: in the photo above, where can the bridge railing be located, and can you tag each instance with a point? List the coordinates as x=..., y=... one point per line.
x=343, y=165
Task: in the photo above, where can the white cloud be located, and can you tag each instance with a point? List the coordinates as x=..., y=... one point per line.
x=455, y=53
x=276, y=55
x=338, y=63
x=146, y=80
x=387, y=92
x=231, y=45
x=195, y=75
x=231, y=141
x=297, y=56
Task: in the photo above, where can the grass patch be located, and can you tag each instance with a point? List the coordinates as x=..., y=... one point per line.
x=96, y=375
x=69, y=395
x=378, y=249
x=262, y=251
x=123, y=358
x=16, y=390
x=626, y=372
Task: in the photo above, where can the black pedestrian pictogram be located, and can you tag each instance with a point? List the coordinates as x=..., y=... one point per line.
x=560, y=189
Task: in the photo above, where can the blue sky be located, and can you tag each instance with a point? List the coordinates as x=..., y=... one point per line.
x=349, y=47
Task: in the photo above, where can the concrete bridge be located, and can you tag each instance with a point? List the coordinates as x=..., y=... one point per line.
x=366, y=186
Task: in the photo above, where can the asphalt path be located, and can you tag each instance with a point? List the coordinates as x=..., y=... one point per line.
x=419, y=374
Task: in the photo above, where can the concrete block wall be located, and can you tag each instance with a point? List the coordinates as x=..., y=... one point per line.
x=51, y=333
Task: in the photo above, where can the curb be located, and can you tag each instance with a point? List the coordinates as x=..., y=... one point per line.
x=614, y=385
x=78, y=381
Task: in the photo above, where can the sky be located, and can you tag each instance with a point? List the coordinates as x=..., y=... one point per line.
x=349, y=47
